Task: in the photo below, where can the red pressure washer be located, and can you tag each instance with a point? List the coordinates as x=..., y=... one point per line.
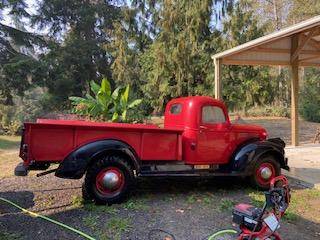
x=260, y=223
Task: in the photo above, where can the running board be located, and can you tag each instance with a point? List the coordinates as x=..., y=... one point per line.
x=199, y=173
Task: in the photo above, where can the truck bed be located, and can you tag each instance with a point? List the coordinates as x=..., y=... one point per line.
x=53, y=140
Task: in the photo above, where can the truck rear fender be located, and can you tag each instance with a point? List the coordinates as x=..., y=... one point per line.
x=244, y=158
x=76, y=163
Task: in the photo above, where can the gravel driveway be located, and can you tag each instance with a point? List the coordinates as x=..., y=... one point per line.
x=187, y=208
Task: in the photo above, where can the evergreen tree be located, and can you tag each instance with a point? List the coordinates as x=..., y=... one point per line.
x=20, y=68
x=244, y=86
x=78, y=30
x=303, y=10
x=177, y=62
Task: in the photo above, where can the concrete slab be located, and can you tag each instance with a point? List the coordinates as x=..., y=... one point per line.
x=304, y=162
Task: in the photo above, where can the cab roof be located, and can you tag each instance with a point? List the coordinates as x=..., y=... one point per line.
x=197, y=100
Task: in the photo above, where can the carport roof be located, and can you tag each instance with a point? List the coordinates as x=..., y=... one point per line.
x=276, y=49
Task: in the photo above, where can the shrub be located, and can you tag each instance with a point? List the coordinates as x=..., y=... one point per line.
x=26, y=108
x=310, y=99
x=268, y=111
x=9, y=122
x=107, y=105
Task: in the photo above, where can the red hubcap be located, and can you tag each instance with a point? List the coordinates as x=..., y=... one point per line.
x=110, y=181
x=265, y=173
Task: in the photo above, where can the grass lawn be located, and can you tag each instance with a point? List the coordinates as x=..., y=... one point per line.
x=9, y=142
x=9, y=146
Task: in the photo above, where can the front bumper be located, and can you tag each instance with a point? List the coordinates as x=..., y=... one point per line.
x=286, y=167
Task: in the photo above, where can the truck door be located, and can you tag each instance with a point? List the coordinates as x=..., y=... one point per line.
x=214, y=135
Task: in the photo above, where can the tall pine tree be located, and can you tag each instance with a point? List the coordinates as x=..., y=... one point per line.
x=177, y=62
x=20, y=68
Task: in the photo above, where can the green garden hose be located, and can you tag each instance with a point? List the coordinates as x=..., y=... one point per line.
x=47, y=219
x=221, y=233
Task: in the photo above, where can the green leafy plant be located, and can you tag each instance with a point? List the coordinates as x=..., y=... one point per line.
x=310, y=102
x=105, y=104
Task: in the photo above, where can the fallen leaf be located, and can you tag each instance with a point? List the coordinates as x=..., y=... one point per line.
x=179, y=210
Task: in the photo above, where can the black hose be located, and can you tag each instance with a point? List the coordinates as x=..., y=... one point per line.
x=158, y=230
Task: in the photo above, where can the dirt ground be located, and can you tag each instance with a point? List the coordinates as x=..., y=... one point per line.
x=280, y=127
x=187, y=208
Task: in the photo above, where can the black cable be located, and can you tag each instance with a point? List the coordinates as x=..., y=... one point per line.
x=158, y=230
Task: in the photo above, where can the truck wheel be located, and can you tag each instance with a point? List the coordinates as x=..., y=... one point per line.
x=265, y=169
x=109, y=180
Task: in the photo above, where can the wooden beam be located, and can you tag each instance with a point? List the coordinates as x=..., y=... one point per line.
x=309, y=58
x=294, y=94
x=309, y=64
x=217, y=79
x=229, y=61
x=271, y=50
x=313, y=43
x=304, y=41
x=281, y=50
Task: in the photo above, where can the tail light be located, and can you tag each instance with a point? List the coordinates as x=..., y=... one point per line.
x=23, y=146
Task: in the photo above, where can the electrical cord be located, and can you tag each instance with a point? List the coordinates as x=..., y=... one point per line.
x=33, y=214
x=222, y=232
x=172, y=237
x=169, y=236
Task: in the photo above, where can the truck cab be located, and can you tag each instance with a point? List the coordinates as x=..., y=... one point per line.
x=209, y=137
x=197, y=140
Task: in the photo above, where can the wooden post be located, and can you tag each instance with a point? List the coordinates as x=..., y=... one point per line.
x=217, y=78
x=294, y=94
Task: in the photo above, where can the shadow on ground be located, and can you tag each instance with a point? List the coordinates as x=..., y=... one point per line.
x=187, y=208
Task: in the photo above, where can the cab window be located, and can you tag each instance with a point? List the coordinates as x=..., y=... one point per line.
x=175, y=109
x=213, y=115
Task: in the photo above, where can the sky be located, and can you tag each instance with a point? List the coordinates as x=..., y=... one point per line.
x=31, y=9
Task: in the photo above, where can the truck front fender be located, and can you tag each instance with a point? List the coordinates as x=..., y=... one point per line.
x=245, y=157
x=76, y=163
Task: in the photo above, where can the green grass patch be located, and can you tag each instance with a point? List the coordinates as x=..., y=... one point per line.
x=9, y=236
x=290, y=216
x=304, y=203
x=8, y=157
x=115, y=228
x=91, y=221
x=203, y=199
x=9, y=142
x=78, y=202
x=119, y=225
x=191, y=199
x=91, y=207
x=135, y=205
x=257, y=198
x=207, y=199
x=226, y=204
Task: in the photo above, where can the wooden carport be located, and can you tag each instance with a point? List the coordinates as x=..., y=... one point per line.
x=297, y=45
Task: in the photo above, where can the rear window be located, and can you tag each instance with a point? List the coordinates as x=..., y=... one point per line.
x=176, y=109
x=212, y=115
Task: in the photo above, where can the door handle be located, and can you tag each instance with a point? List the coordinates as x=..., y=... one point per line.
x=202, y=128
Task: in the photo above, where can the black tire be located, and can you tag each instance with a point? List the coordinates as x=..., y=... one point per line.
x=87, y=198
x=265, y=160
x=91, y=185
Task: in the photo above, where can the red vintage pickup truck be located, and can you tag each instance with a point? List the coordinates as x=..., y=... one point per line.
x=198, y=139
